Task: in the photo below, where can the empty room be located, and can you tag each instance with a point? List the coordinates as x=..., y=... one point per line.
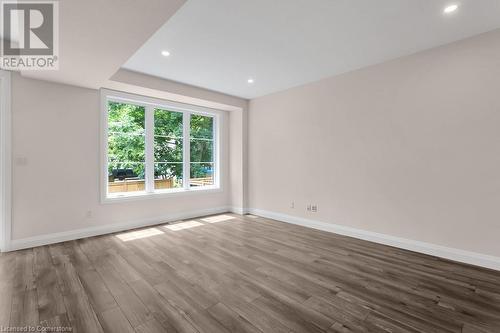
x=261, y=166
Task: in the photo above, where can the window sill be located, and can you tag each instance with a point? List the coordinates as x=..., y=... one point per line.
x=135, y=196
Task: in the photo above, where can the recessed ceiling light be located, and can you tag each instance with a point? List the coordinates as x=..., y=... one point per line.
x=450, y=9
x=165, y=53
x=250, y=80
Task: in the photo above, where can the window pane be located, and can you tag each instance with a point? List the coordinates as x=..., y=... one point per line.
x=126, y=141
x=167, y=149
x=126, y=177
x=126, y=147
x=168, y=123
x=202, y=174
x=202, y=150
x=126, y=118
x=202, y=127
x=168, y=175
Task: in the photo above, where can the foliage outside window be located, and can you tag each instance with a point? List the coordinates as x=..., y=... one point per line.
x=202, y=150
x=152, y=149
x=126, y=148
x=168, y=148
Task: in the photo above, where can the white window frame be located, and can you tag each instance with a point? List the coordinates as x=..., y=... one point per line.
x=150, y=104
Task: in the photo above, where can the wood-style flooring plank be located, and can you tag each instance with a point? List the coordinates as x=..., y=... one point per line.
x=114, y=321
x=235, y=273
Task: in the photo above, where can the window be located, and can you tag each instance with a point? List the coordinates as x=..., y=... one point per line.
x=126, y=148
x=153, y=147
x=168, y=149
x=202, y=150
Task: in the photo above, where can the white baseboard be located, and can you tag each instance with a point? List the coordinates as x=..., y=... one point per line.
x=23, y=243
x=239, y=210
x=467, y=257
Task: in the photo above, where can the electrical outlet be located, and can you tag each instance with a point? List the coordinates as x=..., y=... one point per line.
x=314, y=208
x=292, y=205
x=88, y=214
x=309, y=208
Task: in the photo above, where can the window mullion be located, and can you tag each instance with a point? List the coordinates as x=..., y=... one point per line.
x=186, y=151
x=150, y=179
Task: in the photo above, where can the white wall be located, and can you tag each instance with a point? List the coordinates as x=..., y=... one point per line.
x=56, y=165
x=237, y=151
x=408, y=148
x=5, y=159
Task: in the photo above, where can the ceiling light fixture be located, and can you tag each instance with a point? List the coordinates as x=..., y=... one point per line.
x=250, y=80
x=450, y=9
x=165, y=53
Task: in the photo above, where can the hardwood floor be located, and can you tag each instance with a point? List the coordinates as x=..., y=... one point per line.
x=229, y=273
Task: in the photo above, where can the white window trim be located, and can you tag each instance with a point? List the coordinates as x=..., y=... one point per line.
x=149, y=104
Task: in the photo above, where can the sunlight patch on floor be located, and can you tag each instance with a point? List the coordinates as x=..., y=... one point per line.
x=139, y=234
x=218, y=218
x=251, y=216
x=183, y=225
